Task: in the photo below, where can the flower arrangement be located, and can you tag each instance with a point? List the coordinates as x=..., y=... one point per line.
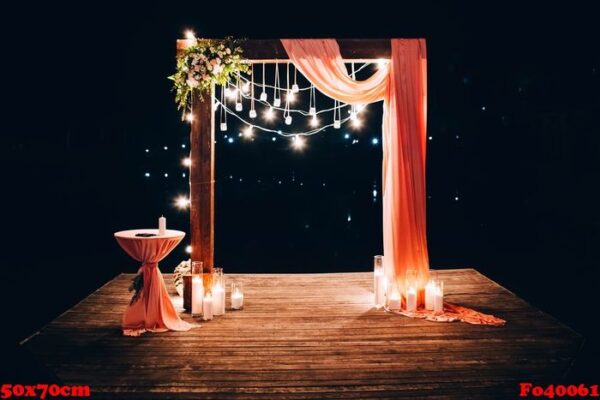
x=204, y=63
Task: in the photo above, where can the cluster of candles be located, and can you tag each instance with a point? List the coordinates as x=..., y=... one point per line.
x=387, y=292
x=211, y=302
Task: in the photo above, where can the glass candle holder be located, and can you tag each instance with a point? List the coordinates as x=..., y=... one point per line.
x=438, y=298
x=237, y=296
x=393, y=300
x=410, y=285
x=378, y=282
x=218, y=291
x=197, y=293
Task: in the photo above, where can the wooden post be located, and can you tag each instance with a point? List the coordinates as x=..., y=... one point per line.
x=202, y=181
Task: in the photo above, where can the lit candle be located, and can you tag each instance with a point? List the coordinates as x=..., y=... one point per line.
x=378, y=282
x=218, y=299
x=162, y=225
x=394, y=300
x=237, y=299
x=197, y=295
x=438, y=298
x=429, y=290
x=411, y=299
x=207, y=307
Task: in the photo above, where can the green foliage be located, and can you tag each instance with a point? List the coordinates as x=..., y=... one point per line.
x=137, y=284
x=207, y=62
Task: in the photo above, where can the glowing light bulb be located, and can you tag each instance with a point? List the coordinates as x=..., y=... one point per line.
x=290, y=96
x=231, y=93
x=147, y=174
x=277, y=102
x=188, y=249
x=288, y=120
x=189, y=117
x=252, y=114
x=246, y=87
x=263, y=96
x=247, y=133
x=337, y=124
x=360, y=107
x=356, y=123
x=182, y=202
x=353, y=116
x=269, y=114
x=239, y=107
x=314, y=122
x=312, y=111
x=230, y=140
x=189, y=34
x=187, y=162
x=223, y=126
x=298, y=142
x=295, y=88
x=375, y=141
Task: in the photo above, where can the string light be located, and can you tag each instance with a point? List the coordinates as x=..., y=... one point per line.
x=182, y=202
x=238, y=101
x=252, y=113
x=189, y=34
x=298, y=142
x=223, y=113
x=336, y=117
x=189, y=117
x=248, y=133
x=312, y=102
x=188, y=249
x=314, y=121
x=295, y=87
x=269, y=114
x=187, y=162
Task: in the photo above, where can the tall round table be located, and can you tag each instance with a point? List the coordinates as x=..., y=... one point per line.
x=152, y=310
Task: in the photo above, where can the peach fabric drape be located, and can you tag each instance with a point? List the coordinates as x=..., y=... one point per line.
x=402, y=85
x=153, y=311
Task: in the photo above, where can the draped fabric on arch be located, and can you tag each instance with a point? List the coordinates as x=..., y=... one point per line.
x=402, y=85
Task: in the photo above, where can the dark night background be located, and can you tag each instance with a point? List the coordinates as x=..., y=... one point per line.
x=514, y=102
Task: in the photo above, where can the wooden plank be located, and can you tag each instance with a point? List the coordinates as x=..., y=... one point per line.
x=309, y=336
x=269, y=50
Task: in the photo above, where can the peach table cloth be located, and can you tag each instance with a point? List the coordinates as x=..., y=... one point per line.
x=402, y=85
x=153, y=311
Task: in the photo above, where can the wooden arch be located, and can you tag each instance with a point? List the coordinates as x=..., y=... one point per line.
x=202, y=136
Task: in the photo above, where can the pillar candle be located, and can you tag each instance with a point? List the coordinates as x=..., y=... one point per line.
x=379, y=287
x=411, y=299
x=394, y=301
x=207, y=307
x=438, y=299
x=429, y=290
x=162, y=225
x=197, y=295
x=218, y=300
x=237, y=300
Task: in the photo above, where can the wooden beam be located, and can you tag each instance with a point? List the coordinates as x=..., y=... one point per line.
x=202, y=182
x=268, y=50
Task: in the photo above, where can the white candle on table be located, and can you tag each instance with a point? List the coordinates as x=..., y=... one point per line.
x=429, y=290
x=218, y=300
x=162, y=225
x=438, y=298
x=411, y=299
x=197, y=295
x=207, y=307
x=237, y=300
x=394, y=301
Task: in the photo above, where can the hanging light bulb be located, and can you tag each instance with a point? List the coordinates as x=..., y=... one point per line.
x=189, y=117
x=263, y=94
x=239, y=106
x=188, y=249
x=360, y=107
x=247, y=133
x=276, y=90
x=356, y=123
x=288, y=120
x=189, y=34
x=269, y=114
x=187, y=161
x=290, y=96
x=252, y=114
x=337, y=116
x=314, y=122
x=277, y=102
x=246, y=87
x=295, y=87
x=312, y=111
x=337, y=124
x=298, y=142
x=223, y=126
x=353, y=116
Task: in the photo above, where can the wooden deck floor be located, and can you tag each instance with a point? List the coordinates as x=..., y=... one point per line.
x=310, y=336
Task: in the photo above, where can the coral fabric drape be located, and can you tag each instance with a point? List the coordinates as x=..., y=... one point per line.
x=401, y=84
x=153, y=311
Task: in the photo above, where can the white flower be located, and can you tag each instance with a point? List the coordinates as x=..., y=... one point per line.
x=217, y=69
x=228, y=51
